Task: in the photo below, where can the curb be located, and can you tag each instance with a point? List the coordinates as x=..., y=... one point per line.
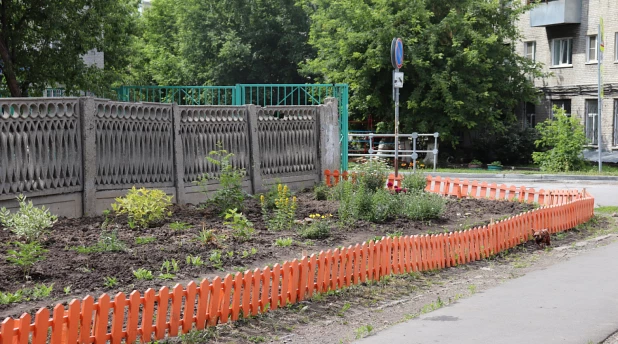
x=526, y=177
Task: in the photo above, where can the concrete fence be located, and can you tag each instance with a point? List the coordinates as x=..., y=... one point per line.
x=76, y=155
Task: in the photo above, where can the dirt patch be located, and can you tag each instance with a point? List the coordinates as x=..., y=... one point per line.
x=85, y=273
x=345, y=315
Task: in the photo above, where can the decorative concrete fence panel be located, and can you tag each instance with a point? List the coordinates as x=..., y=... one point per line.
x=76, y=155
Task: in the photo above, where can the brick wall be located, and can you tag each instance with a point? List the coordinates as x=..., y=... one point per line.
x=579, y=81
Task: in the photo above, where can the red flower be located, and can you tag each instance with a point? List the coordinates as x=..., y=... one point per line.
x=390, y=185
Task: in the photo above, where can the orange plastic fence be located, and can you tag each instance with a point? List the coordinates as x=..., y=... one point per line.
x=218, y=301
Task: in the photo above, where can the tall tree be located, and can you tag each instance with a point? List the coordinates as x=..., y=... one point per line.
x=197, y=42
x=461, y=70
x=42, y=42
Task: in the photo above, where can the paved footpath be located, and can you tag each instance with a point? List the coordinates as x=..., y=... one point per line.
x=575, y=301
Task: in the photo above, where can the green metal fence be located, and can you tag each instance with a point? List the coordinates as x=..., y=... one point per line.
x=241, y=94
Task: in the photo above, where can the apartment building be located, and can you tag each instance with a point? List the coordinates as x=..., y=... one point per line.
x=563, y=34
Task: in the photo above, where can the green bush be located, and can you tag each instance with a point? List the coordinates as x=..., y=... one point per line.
x=230, y=194
x=564, y=138
x=28, y=222
x=362, y=204
x=26, y=255
x=422, y=205
x=344, y=193
x=242, y=229
x=414, y=182
x=284, y=210
x=384, y=206
x=372, y=175
x=321, y=192
x=318, y=228
x=143, y=207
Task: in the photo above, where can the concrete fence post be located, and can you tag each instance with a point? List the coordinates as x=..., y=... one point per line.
x=254, y=149
x=87, y=112
x=329, y=147
x=179, y=162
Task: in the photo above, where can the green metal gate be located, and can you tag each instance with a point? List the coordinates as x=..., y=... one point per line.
x=241, y=94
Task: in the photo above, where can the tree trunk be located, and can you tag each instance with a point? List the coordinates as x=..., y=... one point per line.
x=9, y=73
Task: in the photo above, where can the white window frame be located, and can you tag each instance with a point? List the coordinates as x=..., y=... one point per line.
x=526, y=52
x=591, y=119
x=589, y=47
x=616, y=47
x=568, y=47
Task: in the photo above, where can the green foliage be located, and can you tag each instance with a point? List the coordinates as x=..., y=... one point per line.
x=194, y=260
x=284, y=242
x=28, y=222
x=362, y=204
x=108, y=242
x=344, y=193
x=384, y=206
x=564, y=137
x=513, y=145
x=318, y=228
x=179, y=226
x=372, y=174
x=414, y=182
x=144, y=240
x=321, y=191
x=26, y=255
x=143, y=207
x=41, y=291
x=7, y=298
x=110, y=282
x=206, y=236
x=465, y=77
x=38, y=292
x=43, y=45
x=216, y=259
x=422, y=206
x=166, y=267
x=476, y=162
x=230, y=194
x=142, y=274
x=242, y=229
x=496, y=163
x=284, y=211
x=201, y=42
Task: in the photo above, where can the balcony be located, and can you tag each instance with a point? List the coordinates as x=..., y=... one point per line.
x=556, y=12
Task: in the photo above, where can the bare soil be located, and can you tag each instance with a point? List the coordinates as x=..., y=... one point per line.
x=85, y=273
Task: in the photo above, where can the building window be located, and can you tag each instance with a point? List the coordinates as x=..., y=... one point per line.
x=562, y=52
x=592, y=122
x=530, y=50
x=591, y=49
x=564, y=104
x=616, y=48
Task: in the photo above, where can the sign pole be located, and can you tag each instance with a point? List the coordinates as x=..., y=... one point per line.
x=397, y=62
x=600, y=49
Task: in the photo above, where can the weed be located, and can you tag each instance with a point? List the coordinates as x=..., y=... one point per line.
x=472, y=288
x=345, y=307
x=247, y=254
x=108, y=242
x=215, y=259
x=240, y=269
x=230, y=195
x=414, y=182
x=26, y=255
x=194, y=260
x=242, y=229
x=179, y=226
x=284, y=242
x=142, y=274
x=165, y=276
x=318, y=228
x=144, y=240
x=168, y=266
x=7, y=298
x=28, y=222
x=41, y=291
x=320, y=192
x=256, y=339
x=143, y=207
x=363, y=331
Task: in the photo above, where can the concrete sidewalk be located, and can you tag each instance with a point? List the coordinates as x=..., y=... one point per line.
x=575, y=301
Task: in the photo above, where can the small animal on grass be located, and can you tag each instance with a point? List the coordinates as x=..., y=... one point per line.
x=541, y=237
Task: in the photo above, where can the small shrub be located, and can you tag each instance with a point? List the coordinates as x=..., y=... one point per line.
x=179, y=226
x=384, y=206
x=284, y=242
x=110, y=282
x=143, y=207
x=344, y=193
x=564, y=137
x=422, y=206
x=319, y=228
x=144, y=240
x=496, y=163
x=283, y=214
x=143, y=274
x=242, y=229
x=320, y=192
x=26, y=255
x=414, y=182
x=28, y=222
x=230, y=195
x=372, y=174
x=362, y=204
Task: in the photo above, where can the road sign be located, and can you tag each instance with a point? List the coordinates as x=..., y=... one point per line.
x=397, y=79
x=397, y=53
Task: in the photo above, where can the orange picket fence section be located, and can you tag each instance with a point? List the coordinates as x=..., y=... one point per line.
x=168, y=313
